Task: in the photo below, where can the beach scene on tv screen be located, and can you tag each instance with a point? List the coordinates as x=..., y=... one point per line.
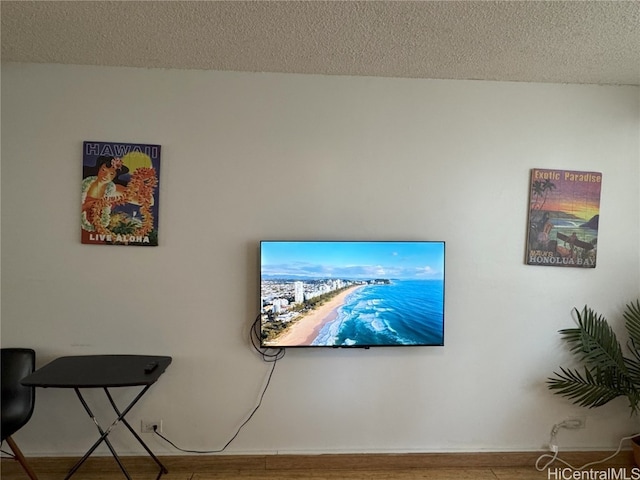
x=350, y=294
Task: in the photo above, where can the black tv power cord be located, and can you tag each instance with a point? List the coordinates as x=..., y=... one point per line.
x=268, y=355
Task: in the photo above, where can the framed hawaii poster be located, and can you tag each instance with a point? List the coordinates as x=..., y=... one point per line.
x=120, y=184
x=564, y=212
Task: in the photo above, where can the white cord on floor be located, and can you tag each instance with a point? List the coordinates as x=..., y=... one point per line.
x=554, y=457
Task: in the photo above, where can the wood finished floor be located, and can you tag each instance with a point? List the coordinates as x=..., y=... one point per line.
x=481, y=466
x=500, y=473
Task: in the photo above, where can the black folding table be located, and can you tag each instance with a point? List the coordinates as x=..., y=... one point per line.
x=103, y=371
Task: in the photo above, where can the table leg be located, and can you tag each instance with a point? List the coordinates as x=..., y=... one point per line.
x=133, y=432
x=105, y=433
x=103, y=438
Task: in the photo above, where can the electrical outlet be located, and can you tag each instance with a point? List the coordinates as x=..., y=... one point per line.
x=146, y=426
x=573, y=423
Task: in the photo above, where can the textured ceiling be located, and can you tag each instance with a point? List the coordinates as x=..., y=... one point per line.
x=535, y=41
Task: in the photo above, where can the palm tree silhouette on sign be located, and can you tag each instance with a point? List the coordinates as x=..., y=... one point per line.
x=540, y=191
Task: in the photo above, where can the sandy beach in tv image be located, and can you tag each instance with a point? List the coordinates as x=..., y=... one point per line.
x=307, y=329
x=352, y=293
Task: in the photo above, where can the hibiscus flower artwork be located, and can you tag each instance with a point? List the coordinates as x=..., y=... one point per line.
x=120, y=190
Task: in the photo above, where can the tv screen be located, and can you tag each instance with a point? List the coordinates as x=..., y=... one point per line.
x=351, y=293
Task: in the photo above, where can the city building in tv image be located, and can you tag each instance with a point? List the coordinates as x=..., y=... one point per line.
x=352, y=294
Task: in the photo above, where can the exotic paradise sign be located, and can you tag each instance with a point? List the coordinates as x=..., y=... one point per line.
x=564, y=208
x=120, y=193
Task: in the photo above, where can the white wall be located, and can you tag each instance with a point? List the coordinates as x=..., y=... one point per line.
x=266, y=156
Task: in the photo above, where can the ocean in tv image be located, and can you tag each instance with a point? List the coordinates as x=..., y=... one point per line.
x=352, y=294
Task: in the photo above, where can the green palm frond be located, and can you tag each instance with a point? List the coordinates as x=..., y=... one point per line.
x=607, y=372
x=632, y=322
x=593, y=389
x=594, y=342
x=634, y=402
x=633, y=368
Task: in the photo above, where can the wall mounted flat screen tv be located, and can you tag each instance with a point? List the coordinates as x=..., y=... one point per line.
x=351, y=293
